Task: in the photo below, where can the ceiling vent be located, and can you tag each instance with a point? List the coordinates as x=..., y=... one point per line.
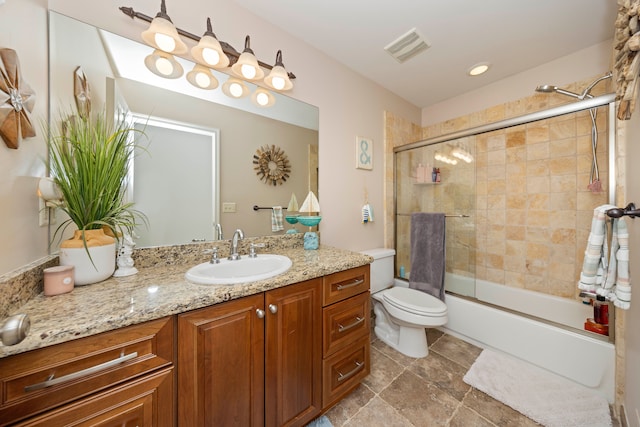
x=407, y=46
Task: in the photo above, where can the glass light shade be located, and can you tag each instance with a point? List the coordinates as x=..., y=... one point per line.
x=263, y=98
x=209, y=52
x=235, y=88
x=202, y=78
x=247, y=67
x=162, y=34
x=278, y=79
x=163, y=64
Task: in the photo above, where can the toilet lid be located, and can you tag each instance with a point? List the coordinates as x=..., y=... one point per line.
x=415, y=301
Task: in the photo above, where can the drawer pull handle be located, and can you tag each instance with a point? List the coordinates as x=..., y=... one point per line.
x=350, y=285
x=342, y=377
x=92, y=370
x=350, y=325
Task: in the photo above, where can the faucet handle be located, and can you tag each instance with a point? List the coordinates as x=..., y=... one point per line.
x=252, y=249
x=214, y=256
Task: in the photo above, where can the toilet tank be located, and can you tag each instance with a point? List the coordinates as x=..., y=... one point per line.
x=381, y=268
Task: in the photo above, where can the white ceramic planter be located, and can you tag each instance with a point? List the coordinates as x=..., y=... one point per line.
x=103, y=266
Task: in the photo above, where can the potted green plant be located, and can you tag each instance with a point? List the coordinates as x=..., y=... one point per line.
x=89, y=160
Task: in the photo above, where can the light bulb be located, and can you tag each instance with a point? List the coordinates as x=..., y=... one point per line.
x=203, y=80
x=165, y=42
x=248, y=71
x=262, y=98
x=278, y=83
x=164, y=66
x=210, y=56
x=235, y=89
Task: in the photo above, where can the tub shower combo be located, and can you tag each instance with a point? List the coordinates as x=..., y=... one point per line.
x=519, y=195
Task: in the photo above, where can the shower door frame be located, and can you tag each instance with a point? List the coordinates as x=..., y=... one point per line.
x=603, y=100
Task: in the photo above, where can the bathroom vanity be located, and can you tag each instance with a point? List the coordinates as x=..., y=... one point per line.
x=155, y=350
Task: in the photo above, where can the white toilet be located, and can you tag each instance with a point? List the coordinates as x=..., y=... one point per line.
x=402, y=314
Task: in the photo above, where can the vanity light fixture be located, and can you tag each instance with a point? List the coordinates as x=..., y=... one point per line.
x=478, y=69
x=263, y=98
x=235, y=88
x=162, y=34
x=201, y=77
x=209, y=52
x=278, y=78
x=163, y=64
x=247, y=64
x=462, y=154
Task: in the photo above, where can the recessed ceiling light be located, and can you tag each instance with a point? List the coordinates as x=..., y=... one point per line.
x=478, y=69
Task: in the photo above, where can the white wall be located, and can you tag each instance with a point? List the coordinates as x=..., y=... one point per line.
x=23, y=28
x=584, y=64
x=350, y=106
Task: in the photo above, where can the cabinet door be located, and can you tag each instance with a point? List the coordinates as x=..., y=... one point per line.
x=294, y=354
x=221, y=365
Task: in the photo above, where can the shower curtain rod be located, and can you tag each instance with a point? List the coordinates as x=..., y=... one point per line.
x=514, y=121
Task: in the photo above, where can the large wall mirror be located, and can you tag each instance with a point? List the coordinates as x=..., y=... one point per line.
x=235, y=130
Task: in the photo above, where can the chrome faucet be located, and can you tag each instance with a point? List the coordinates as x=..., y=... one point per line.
x=237, y=236
x=217, y=231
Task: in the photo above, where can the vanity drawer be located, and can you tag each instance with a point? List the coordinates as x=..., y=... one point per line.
x=42, y=379
x=345, y=284
x=344, y=370
x=345, y=322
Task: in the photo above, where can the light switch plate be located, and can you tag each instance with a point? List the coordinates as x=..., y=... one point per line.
x=228, y=207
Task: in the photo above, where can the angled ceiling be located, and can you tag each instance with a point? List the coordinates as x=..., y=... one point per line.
x=512, y=35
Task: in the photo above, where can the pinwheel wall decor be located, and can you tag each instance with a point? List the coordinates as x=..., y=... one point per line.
x=16, y=101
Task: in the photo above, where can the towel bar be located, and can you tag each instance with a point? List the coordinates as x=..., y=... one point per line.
x=446, y=215
x=256, y=207
x=629, y=210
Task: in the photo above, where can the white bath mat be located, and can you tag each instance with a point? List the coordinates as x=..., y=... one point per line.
x=539, y=394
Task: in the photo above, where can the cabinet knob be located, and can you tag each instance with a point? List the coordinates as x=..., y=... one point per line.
x=273, y=308
x=260, y=313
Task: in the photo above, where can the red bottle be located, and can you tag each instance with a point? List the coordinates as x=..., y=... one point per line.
x=601, y=310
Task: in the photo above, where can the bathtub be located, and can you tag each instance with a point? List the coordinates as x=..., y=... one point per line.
x=565, y=350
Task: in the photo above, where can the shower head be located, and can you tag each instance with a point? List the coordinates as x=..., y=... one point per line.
x=556, y=89
x=585, y=94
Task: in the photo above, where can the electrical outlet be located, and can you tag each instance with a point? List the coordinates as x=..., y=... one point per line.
x=228, y=207
x=43, y=213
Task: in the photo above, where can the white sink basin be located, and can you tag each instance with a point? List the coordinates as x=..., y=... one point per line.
x=242, y=270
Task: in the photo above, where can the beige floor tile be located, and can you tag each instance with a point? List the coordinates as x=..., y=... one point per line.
x=350, y=405
x=383, y=371
x=443, y=373
x=422, y=403
x=378, y=413
x=457, y=350
x=394, y=355
x=465, y=417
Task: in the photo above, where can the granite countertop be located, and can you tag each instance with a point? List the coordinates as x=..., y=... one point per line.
x=157, y=291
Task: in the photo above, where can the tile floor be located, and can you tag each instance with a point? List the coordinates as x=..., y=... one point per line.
x=405, y=392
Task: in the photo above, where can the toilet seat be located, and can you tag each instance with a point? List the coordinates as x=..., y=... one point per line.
x=415, y=302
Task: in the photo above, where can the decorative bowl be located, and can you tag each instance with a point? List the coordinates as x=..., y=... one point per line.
x=309, y=221
x=292, y=219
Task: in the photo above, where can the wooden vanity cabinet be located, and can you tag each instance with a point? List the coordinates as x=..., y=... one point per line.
x=255, y=361
x=346, y=318
x=121, y=377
